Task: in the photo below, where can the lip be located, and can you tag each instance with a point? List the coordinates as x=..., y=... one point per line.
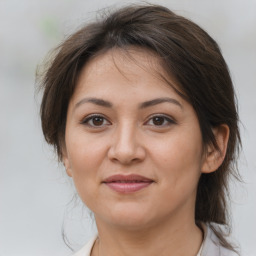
x=127, y=183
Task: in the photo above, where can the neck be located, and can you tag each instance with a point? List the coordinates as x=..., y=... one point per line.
x=183, y=239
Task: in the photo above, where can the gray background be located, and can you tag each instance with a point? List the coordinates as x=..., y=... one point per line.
x=34, y=190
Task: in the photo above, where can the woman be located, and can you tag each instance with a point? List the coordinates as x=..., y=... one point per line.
x=140, y=108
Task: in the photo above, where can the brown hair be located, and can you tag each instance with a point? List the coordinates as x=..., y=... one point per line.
x=186, y=52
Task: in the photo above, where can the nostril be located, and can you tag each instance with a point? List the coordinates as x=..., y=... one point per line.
x=125, y=155
x=125, y=147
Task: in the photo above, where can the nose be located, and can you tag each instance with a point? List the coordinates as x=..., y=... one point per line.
x=126, y=147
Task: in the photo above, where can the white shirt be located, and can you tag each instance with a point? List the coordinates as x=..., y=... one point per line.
x=209, y=247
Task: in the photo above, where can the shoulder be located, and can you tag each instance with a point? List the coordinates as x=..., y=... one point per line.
x=86, y=249
x=212, y=245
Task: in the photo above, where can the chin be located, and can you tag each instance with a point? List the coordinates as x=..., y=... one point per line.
x=128, y=218
x=132, y=224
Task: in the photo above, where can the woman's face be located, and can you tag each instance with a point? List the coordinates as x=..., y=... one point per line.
x=133, y=145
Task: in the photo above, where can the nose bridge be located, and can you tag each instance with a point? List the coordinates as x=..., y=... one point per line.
x=126, y=136
x=126, y=147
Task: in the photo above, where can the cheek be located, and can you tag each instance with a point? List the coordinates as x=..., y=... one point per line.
x=183, y=148
x=178, y=159
x=84, y=152
x=86, y=157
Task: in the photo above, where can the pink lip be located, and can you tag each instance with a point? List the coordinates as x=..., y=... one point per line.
x=127, y=183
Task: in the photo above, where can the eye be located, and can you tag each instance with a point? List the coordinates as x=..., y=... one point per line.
x=160, y=120
x=95, y=121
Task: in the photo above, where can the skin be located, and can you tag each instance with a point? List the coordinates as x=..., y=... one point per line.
x=127, y=138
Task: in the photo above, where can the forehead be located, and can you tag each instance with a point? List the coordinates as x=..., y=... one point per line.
x=129, y=62
x=131, y=65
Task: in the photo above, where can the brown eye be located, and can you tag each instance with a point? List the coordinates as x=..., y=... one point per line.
x=158, y=120
x=95, y=121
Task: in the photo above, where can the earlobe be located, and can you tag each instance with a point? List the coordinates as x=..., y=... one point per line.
x=215, y=156
x=66, y=163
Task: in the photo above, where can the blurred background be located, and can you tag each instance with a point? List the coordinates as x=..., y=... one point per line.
x=35, y=192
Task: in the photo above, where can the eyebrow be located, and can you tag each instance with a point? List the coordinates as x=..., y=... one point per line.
x=159, y=101
x=96, y=101
x=146, y=104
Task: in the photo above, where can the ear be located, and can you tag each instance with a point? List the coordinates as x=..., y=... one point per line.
x=214, y=157
x=66, y=162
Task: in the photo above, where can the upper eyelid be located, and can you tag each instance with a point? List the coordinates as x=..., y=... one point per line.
x=90, y=116
x=162, y=115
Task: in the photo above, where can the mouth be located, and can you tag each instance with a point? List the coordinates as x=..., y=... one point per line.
x=127, y=183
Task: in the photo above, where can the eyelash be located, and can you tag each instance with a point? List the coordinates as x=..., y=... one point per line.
x=166, y=119
x=89, y=118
